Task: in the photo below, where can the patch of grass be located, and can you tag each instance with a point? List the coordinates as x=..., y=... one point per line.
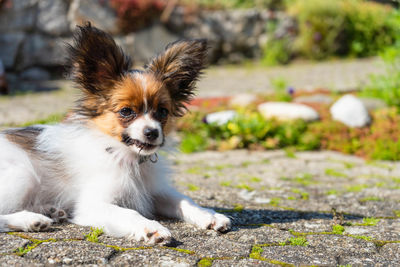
x=275, y=201
x=194, y=170
x=192, y=187
x=335, y=173
x=363, y=237
x=397, y=213
x=304, y=179
x=238, y=208
x=331, y=192
x=52, y=119
x=298, y=241
x=304, y=195
x=255, y=179
x=369, y=221
x=226, y=183
x=337, y=229
x=290, y=153
x=356, y=188
x=94, y=234
x=205, y=262
x=244, y=186
x=221, y=167
x=370, y=198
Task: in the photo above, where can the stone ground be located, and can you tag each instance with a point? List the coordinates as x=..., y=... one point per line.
x=340, y=75
x=310, y=208
x=285, y=210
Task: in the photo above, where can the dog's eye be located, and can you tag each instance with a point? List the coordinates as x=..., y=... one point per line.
x=162, y=113
x=127, y=113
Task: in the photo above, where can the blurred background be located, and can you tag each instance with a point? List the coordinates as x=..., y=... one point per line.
x=299, y=57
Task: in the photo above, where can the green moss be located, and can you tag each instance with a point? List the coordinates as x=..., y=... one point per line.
x=221, y=167
x=52, y=119
x=363, y=237
x=244, y=186
x=370, y=221
x=185, y=251
x=226, y=183
x=245, y=164
x=337, y=229
x=298, y=241
x=194, y=170
x=21, y=251
x=192, y=187
x=304, y=179
x=205, y=262
x=238, y=208
x=332, y=192
x=397, y=213
x=291, y=198
x=94, y=234
x=370, y=198
x=332, y=172
x=255, y=179
x=275, y=201
x=356, y=188
x=290, y=153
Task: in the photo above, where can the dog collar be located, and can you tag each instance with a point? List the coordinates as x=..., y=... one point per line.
x=153, y=158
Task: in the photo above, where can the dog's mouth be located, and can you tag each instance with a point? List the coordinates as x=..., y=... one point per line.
x=143, y=146
x=139, y=144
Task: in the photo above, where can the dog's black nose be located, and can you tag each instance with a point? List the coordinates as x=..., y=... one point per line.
x=150, y=133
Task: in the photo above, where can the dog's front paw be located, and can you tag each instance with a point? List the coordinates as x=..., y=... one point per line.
x=152, y=233
x=217, y=222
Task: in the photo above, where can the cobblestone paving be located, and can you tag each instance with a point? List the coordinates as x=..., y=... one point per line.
x=341, y=75
x=317, y=208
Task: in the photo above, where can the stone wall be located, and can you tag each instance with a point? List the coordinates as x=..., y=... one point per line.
x=33, y=33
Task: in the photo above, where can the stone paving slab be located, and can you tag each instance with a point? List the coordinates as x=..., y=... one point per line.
x=280, y=206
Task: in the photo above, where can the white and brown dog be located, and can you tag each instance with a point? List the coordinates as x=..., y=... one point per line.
x=98, y=165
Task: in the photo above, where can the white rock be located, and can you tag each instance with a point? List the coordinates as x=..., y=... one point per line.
x=221, y=117
x=287, y=111
x=243, y=100
x=350, y=111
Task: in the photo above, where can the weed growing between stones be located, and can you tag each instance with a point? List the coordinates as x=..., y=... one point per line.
x=335, y=173
x=94, y=234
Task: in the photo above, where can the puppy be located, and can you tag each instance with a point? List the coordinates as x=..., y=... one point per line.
x=100, y=165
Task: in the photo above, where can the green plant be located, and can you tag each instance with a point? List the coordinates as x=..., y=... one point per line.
x=298, y=241
x=94, y=234
x=337, y=229
x=342, y=27
x=387, y=86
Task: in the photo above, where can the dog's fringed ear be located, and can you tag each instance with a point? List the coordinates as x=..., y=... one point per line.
x=95, y=61
x=179, y=67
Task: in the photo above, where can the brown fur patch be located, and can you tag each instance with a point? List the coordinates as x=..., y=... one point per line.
x=24, y=137
x=135, y=92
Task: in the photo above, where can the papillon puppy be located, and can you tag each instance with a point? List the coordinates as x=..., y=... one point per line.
x=99, y=167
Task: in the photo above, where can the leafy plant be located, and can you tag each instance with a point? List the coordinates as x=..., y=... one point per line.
x=387, y=86
x=342, y=27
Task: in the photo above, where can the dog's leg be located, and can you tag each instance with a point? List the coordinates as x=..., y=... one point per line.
x=121, y=222
x=24, y=221
x=173, y=204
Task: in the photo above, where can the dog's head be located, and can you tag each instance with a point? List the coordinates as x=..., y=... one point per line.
x=136, y=107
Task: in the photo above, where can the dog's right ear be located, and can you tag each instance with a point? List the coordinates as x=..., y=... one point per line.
x=95, y=61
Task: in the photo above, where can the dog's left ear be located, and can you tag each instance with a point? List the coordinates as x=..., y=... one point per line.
x=95, y=61
x=179, y=67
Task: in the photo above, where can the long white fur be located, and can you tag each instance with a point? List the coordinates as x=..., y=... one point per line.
x=100, y=187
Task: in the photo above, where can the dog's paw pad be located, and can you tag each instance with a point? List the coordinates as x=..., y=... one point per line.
x=157, y=237
x=58, y=215
x=219, y=223
x=40, y=225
